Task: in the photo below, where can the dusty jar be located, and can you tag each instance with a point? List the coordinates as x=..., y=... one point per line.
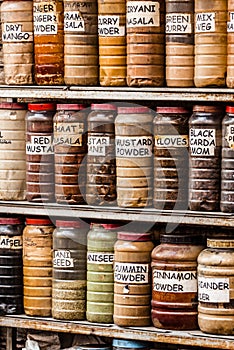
x=215, y=287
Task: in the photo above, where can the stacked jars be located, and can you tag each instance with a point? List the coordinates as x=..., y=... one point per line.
x=145, y=43
x=132, y=279
x=100, y=185
x=69, y=270
x=69, y=152
x=37, y=266
x=40, y=152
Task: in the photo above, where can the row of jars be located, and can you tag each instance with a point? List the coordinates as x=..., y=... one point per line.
x=118, y=154
x=179, y=43
x=105, y=274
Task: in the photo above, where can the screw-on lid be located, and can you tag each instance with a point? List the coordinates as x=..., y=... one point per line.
x=103, y=106
x=207, y=109
x=230, y=109
x=220, y=243
x=69, y=223
x=130, y=344
x=10, y=105
x=132, y=110
x=181, y=239
x=39, y=221
x=70, y=107
x=111, y=226
x=132, y=236
x=41, y=106
x=10, y=221
x=177, y=110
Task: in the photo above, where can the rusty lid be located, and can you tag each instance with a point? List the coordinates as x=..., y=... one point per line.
x=207, y=109
x=133, y=236
x=10, y=105
x=167, y=110
x=220, y=243
x=70, y=107
x=132, y=110
x=10, y=221
x=103, y=106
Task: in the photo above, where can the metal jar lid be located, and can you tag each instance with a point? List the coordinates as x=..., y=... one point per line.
x=135, y=237
x=220, y=243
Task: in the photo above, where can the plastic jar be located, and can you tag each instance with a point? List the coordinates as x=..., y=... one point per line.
x=227, y=163
x=17, y=39
x=12, y=151
x=11, y=266
x=70, y=148
x=179, y=43
x=205, y=157
x=174, y=281
x=145, y=23
x=80, y=42
x=215, y=287
x=40, y=152
x=210, y=43
x=171, y=158
x=112, y=42
x=48, y=42
x=132, y=285
x=100, y=272
x=133, y=149
x=69, y=270
x=37, y=266
x=101, y=172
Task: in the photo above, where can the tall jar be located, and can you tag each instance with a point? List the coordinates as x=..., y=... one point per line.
x=37, y=266
x=69, y=270
x=205, y=157
x=48, y=42
x=210, y=43
x=145, y=23
x=112, y=42
x=174, y=281
x=179, y=43
x=11, y=265
x=100, y=272
x=80, y=42
x=215, y=286
x=101, y=173
x=230, y=44
x=12, y=151
x=132, y=279
x=133, y=149
x=171, y=158
x=227, y=163
x=40, y=152
x=70, y=148
x=17, y=40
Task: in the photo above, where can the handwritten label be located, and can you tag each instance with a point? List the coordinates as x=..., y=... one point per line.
x=45, y=18
x=11, y=242
x=178, y=23
x=68, y=134
x=100, y=258
x=62, y=258
x=229, y=137
x=175, y=281
x=40, y=145
x=205, y=22
x=4, y=139
x=131, y=273
x=171, y=141
x=213, y=290
x=97, y=145
x=110, y=26
x=73, y=22
x=202, y=142
x=133, y=147
x=143, y=14
x=230, y=24
x=13, y=32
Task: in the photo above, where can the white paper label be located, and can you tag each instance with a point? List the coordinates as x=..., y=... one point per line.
x=178, y=23
x=143, y=14
x=230, y=24
x=97, y=145
x=131, y=273
x=133, y=146
x=13, y=32
x=229, y=137
x=174, y=281
x=110, y=26
x=213, y=290
x=45, y=18
x=68, y=134
x=171, y=141
x=3, y=139
x=62, y=258
x=73, y=22
x=7, y=242
x=100, y=258
x=202, y=142
x=205, y=22
x=40, y=145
